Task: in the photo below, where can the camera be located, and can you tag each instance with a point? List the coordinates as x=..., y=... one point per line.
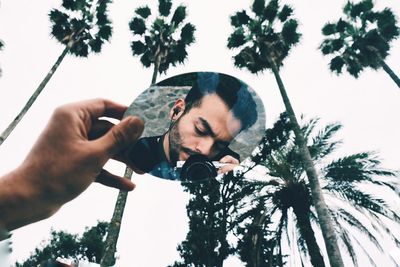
x=198, y=168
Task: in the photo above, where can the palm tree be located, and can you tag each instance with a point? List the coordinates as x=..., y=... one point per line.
x=360, y=39
x=157, y=44
x=285, y=196
x=265, y=38
x=164, y=41
x=82, y=27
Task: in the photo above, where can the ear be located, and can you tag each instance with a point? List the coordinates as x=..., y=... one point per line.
x=177, y=109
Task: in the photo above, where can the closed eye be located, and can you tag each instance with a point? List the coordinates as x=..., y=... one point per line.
x=199, y=132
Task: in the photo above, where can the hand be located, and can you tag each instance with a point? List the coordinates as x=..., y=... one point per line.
x=231, y=163
x=68, y=156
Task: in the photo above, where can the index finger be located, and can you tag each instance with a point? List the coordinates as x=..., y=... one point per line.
x=104, y=108
x=229, y=159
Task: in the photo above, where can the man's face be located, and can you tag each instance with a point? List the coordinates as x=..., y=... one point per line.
x=206, y=129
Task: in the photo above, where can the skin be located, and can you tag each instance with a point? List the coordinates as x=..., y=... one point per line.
x=68, y=156
x=205, y=129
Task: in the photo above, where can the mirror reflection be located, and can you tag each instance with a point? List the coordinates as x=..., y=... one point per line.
x=197, y=125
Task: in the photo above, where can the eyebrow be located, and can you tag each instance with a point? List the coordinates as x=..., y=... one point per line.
x=209, y=131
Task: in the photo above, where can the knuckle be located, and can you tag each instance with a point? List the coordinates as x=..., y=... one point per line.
x=119, y=138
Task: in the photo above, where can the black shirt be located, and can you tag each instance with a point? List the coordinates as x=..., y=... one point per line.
x=149, y=156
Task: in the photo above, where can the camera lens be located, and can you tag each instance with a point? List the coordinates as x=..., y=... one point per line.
x=198, y=168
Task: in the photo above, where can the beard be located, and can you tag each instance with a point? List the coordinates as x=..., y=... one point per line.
x=175, y=143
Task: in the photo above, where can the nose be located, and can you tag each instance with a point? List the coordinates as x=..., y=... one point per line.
x=204, y=146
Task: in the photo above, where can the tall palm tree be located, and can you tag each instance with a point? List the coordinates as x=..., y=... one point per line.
x=265, y=38
x=360, y=39
x=163, y=41
x=158, y=45
x=286, y=196
x=82, y=27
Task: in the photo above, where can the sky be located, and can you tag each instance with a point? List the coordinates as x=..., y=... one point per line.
x=155, y=217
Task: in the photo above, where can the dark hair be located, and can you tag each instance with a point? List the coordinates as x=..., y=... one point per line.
x=233, y=93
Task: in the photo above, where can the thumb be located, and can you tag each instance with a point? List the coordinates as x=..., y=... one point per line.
x=121, y=136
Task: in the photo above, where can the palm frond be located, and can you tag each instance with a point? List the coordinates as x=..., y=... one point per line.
x=138, y=47
x=146, y=59
x=271, y=10
x=336, y=64
x=322, y=144
x=289, y=32
x=359, y=226
x=143, y=11
x=240, y=18
x=301, y=242
x=80, y=49
x=344, y=236
x=356, y=168
x=187, y=34
x=105, y=32
x=74, y=5
x=308, y=127
x=58, y=17
x=137, y=26
x=329, y=29
x=362, y=247
x=164, y=7
x=237, y=38
x=387, y=24
x=179, y=15
x=95, y=45
x=285, y=13
x=102, y=19
x=258, y=7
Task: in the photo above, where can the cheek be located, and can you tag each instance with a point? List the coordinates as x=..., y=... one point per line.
x=186, y=134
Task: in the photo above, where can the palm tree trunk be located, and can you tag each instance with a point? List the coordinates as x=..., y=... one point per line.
x=115, y=224
x=155, y=70
x=324, y=218
x=391, y=73
x=257, y=242
x=307, y=233
x=34, y=96
x=108, y=258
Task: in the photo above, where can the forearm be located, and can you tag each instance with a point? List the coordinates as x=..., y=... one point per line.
x=22, y=200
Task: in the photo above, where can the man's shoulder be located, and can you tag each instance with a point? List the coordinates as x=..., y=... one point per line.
x=149, y=142
x=144, y=153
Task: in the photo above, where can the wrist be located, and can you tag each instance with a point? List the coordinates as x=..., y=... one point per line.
x=22, y=200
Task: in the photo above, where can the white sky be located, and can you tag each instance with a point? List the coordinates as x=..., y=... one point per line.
x=155, y=217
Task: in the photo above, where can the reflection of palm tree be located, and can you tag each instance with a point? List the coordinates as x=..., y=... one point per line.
x=355, y=211
x=164, y=42
x=211, y=212
x=265, y=39
x=361, y=39
x=82, y=27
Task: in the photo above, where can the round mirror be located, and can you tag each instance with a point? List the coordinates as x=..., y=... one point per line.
x=197, y=125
